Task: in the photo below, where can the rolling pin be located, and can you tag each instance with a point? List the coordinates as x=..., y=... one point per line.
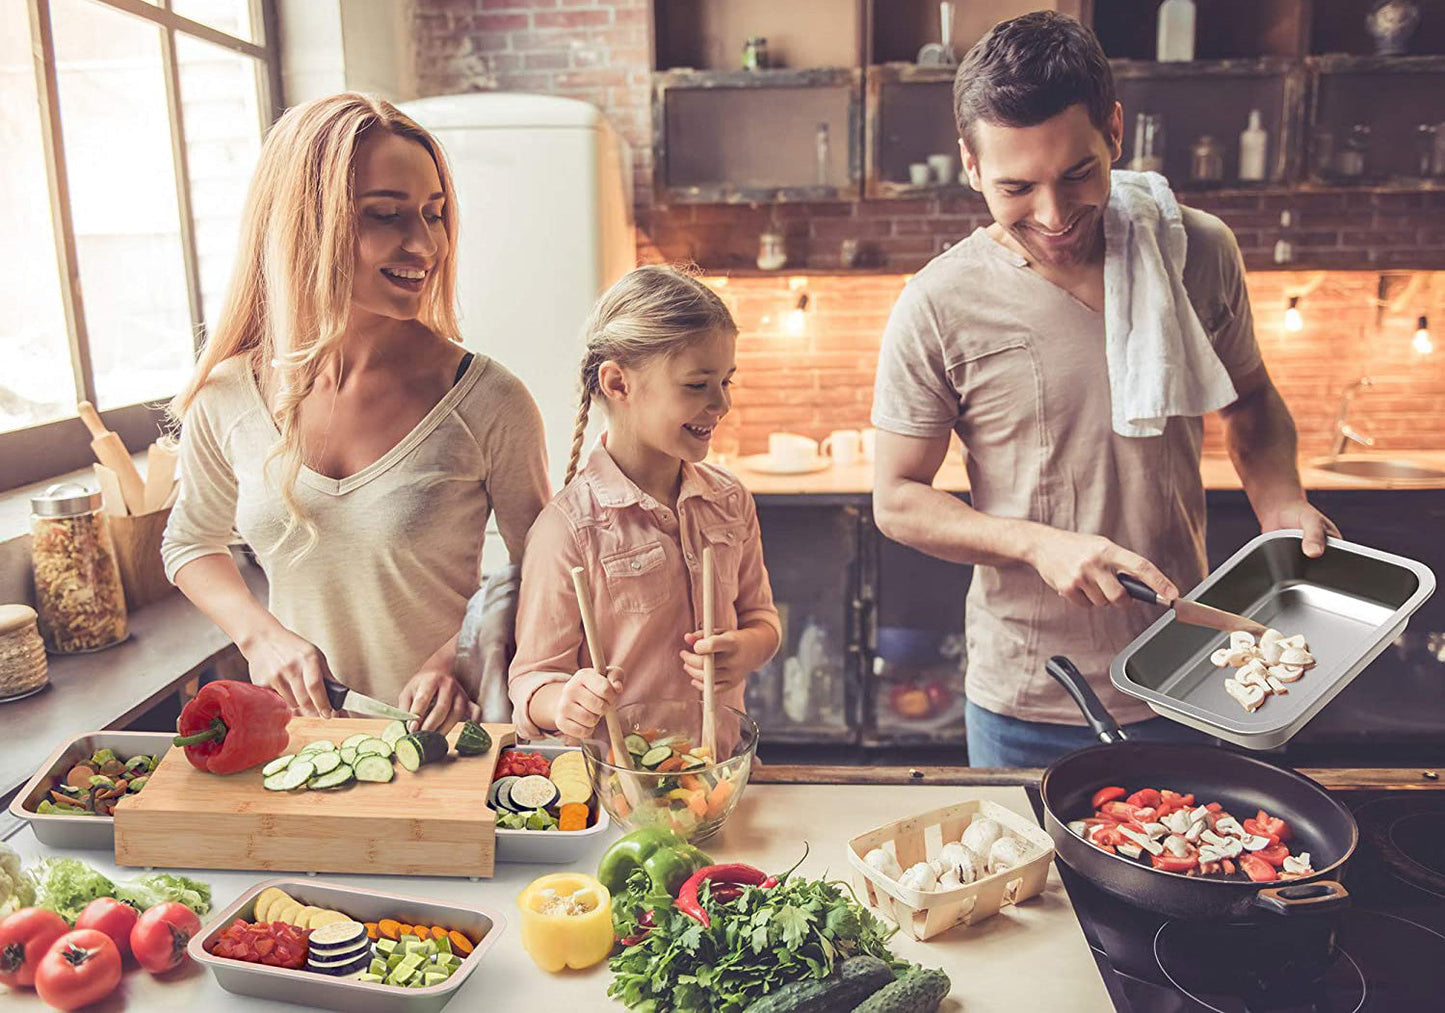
x=111, y=452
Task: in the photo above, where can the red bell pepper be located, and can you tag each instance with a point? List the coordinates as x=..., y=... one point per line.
x=1145, y=797
x=738, y=874
x=1173, y=863
x=1257, y=868
x=232, y=726
x=1275, y=854
x=1109, y=794
x=1272, y=826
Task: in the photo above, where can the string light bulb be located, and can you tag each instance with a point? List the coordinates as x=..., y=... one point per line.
x=1294, y=321
x=797, y=319
x=1422, y=343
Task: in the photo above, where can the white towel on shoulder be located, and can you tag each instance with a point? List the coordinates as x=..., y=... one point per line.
x=1161, y=361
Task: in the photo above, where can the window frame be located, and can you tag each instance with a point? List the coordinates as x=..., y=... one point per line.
x=37, y=452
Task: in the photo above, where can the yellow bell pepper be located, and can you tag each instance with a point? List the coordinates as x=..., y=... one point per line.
x=566, y=921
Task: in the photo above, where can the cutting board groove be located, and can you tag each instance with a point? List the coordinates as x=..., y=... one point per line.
x=434, y=822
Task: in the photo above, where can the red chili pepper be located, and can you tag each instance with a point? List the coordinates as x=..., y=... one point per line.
x=1173, y=863
x=735, y=873
x=1144, y=797
x=646, y=924
x=1257, y=868
x=1109, y=794
x=232, y=726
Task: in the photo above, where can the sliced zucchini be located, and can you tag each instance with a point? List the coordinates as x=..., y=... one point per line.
x=325, y=763
x=277, y=765
x=670, y=741
x=473, y=740
x=393, y=731
x=419, y=748
x=636, y=744
x=297, y=772
x=348, y=754
x=690, y=763
x=335, y=779
x=656, y=757
x=531, y=792
x=354, y=740
x=373, y=747
x=319, y=746
x=373, y=768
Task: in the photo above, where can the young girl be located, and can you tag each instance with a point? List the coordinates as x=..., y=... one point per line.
x=336, y=422
x=637, y=516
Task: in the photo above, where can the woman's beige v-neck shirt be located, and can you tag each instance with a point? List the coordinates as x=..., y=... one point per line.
x=400, y=541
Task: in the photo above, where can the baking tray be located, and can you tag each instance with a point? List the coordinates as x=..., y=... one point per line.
x=551, y=847
x=309, y=988
x=96, y=832
x=1350, y=604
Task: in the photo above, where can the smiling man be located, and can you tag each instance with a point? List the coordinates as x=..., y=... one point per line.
x=1003, y=340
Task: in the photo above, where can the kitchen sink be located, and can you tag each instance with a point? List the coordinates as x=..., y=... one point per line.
x=1379, y=469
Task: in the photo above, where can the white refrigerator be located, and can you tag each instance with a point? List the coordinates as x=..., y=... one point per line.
x=544, y=189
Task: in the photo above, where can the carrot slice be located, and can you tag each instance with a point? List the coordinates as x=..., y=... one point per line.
x=406, y=930
x=460, y=942
x=437, y=932
x=672, y=763
x=573, y=816
x=718, y=799
x=389, y=929
x=373, y=931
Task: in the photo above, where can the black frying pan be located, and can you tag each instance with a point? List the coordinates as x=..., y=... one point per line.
x=1244, y=784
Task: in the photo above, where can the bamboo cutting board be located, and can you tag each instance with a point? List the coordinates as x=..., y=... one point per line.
x=434, y=822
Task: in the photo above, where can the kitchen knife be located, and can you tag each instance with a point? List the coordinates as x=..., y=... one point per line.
x=344, y=698
x=1191, y=612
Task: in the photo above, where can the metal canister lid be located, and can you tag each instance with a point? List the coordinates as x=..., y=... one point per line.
x=65, y=499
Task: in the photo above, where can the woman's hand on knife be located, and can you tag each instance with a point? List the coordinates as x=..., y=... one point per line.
x=437, y=699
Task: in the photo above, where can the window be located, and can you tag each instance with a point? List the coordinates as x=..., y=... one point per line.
x=128, y=133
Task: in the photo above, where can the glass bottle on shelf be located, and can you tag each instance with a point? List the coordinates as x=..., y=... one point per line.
x=1207, y=162
x=1175, y=41
x=1355, y=156
x=823, y=146
x=755, y=53
x=1148, y=143
x=1425, y=139
x=78, y=593
x=1253, y=145
x=1283, y=248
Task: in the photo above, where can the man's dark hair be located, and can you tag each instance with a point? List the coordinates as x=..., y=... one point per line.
x=1029, y=69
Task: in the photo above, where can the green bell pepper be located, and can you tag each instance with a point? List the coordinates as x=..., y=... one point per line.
x=668, y=860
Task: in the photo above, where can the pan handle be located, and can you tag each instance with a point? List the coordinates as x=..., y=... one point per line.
x=1139, y=590
x=1299, y=899
x=1099, y=718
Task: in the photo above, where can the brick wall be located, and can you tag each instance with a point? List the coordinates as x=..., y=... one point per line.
x=820, y=378
x=599, y=51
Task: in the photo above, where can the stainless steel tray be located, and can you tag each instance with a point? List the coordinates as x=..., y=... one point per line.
x=551, y=847
x=1350, y=604
x=309, y=988
x=80, y=831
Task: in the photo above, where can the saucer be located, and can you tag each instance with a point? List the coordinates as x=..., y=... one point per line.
x=765, y=464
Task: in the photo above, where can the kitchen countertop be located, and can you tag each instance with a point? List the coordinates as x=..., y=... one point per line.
x=1217, y=470
x=994, y=966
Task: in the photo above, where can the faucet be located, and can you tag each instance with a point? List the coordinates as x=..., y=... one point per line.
x=1344, y=432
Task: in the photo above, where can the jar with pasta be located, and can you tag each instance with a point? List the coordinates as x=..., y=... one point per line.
x=78, y=593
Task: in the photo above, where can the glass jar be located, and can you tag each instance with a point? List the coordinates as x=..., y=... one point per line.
x=1206, y=164
x=755, y=53
x=78, y=594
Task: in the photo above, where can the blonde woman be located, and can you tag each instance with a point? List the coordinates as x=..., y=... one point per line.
x=336, y=423
x=637, y=515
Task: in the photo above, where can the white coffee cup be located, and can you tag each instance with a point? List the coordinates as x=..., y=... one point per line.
x=869, y=439
x=944, y=166
x=792, y=450
x=920, y=174
x=844, y=446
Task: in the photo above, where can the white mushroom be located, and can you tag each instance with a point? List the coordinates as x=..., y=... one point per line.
x=1270, y=636
x=979, y=835
x=1298, y=642
x=949, y=880
x=1276, y=686
x=1178, y=821
x=884, y=863
x=1154, y=830
x=965, y=862
x=1130, y=850
x=1298, y=865
x=1153, y=847
x=1240, y=638
x=1195, y=831
x=1176, y=846
x=1228, y=825
x=1076, y=827
x=1254, y=674
x=1295, y=656
x=1286, y=673
x=1270, y=653
x=919, y=877
x=1209, y=853
x=1249, y=697
x=1220, y=658
x=1238, y=657
x=1232, y=847
x=1004, y=853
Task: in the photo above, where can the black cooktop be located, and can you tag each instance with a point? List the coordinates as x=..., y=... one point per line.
x=1384, y=954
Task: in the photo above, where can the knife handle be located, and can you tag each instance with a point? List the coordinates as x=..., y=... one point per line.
x=335, y=693
x=1140, y=590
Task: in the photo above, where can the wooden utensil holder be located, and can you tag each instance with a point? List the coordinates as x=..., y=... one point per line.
x=923, y=914
x=138, y=552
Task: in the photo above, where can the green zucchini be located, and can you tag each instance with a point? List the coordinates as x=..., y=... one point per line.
x=656, y=757
x=334, y=779
x=473, y=740
x=319, y=746
x=325, y=763
x=294, y=776
x=277, y=765
x=348, y=755
x=354, y=740
x=394, y=731
x=373, y=768
x=856, y=979
x=636, y=745
x=374, y=747
x=918, y=991
x=419, y=748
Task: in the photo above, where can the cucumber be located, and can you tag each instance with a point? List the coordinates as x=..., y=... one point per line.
x=691, y=763
x=325, y=763
x=656, y=757
x=856, y=979
x=373, y=747
x=353, y=740
x=373, y=768
x=277, y=765
x=419, y=748
x=319, y=746
x=348, y=755
x=392, y=732
x=918, y=991
x=335, y=779
x=473, y=740
x=636, y=744
x=294, y=776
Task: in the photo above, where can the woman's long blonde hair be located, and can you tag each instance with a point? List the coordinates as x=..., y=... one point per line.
x=289, y=299
x=648, y=312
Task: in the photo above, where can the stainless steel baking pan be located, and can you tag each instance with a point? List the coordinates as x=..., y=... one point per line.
x=1350, y=604
x=309, y=988
x=80, y=831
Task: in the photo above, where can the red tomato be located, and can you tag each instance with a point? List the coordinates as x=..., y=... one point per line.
x=82, y=967
x=1109, y=794
x=1145, y=797
x=1274, y=855
x=1176, y=799
x=1172, y=863
x=1214, y=807
x=1119, y=810
x=108, y=915
x=1257, y=868
x=1273, y=826
x=160, y=936
x=1254, y=827
x=25, y=936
